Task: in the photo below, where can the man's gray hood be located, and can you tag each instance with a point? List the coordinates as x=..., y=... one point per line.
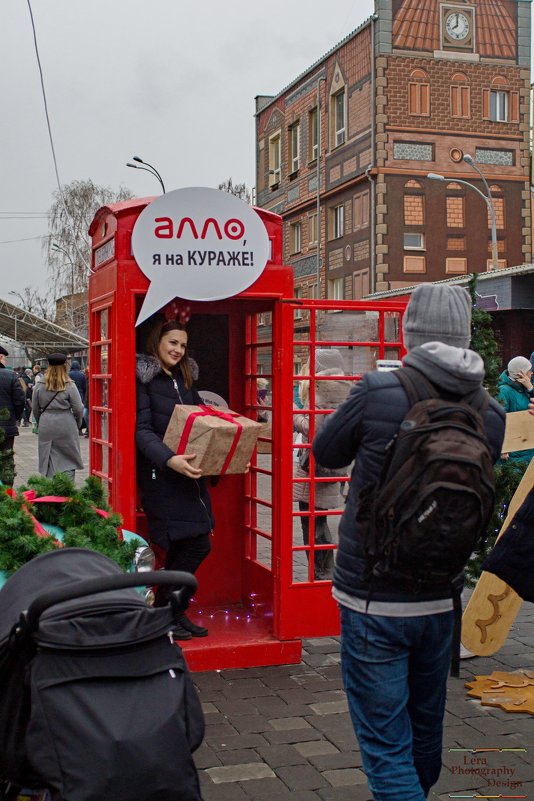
x=456, y=370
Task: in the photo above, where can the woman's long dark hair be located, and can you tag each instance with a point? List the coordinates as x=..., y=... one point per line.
x=152, y=347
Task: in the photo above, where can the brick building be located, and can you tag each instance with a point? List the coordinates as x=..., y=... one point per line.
x=411, y=91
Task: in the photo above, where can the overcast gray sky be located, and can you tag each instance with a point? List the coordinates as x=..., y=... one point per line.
x=168, y=80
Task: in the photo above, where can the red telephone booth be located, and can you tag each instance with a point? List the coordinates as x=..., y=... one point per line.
x=258, y=590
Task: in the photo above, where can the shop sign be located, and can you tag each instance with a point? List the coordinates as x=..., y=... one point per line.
x=198, y=244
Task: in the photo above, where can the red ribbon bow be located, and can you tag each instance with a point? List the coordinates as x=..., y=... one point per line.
x=211, y=411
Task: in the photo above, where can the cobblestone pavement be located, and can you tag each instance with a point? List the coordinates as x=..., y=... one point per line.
x=280, y=733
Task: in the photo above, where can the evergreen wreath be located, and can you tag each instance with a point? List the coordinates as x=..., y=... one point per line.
x=77, y=516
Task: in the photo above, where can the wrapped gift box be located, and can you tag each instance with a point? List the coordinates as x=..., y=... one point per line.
x=222, y=441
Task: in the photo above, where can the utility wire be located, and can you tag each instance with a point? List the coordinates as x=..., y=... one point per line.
x=26, y=239
x=69, y=218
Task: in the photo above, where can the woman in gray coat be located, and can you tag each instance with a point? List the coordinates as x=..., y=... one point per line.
x=58, y=411
x=329, y=393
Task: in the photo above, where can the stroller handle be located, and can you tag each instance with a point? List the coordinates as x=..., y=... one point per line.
x=177, y=578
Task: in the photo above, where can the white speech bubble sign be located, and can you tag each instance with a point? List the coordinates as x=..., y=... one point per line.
x=198, y=244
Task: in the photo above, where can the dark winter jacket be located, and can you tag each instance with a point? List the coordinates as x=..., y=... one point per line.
x=78, y=376
x=361, y=428
x=176, y=506
x=12, y=398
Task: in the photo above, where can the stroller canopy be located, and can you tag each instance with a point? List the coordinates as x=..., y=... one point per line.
x=110, y=619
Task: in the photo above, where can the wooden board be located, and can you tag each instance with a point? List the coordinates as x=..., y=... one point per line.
x=493, y=606
x=519, y=433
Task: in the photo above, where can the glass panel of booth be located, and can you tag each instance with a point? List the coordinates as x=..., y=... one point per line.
x=259, y=405
x=100, y=359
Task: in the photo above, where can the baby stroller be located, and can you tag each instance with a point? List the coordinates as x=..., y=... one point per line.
x=96, y=701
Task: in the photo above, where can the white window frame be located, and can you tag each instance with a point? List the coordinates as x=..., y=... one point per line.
x=275, y=159
x=312, y=229
x=336, y=288
x=313, y=124
x=297, y=293
x=421, y=241
x=339, y=129
x=338, y=221
x=499, y=105
x=295, y=237
x=294, y=133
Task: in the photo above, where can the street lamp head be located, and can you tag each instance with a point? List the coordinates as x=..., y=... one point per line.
x=434, y=176
x=140, y=160
x=129, y=164
x=469, y=159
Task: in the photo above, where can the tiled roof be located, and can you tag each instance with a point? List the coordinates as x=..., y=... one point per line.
x=416, y=27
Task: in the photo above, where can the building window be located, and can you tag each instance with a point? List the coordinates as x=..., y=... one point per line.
x=313, y=134
x=419, y=94
x=295, y=236
x=414, y=264
x=503, y=158
x=460, y=96
x=294, y=148
x=360, y=284
x=297, y=292
x=335, y=289
x=336, y=220
x=312, y=290
x=456, y=266
x=414, y=241
x=455, y=212
x=456, y=243
x=414, y=208
x=499, y=104
x=361, y=210
x=312, y=229
x=501, y=264
x=275, y=158
x=338, y=101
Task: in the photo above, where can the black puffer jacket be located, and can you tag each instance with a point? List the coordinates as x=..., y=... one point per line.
x=12, y=398
x=177, y=507
x=361, y=428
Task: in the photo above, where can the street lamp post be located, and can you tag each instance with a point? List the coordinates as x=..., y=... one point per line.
x=494, y=250
x=318, y=268
x=488, y=200
x=144, y=165
x=59, y=249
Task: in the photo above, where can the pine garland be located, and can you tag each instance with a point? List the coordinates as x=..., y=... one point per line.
x=83, y=527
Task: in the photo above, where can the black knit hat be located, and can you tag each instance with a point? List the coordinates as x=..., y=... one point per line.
x=55, y=359
x=3, y=351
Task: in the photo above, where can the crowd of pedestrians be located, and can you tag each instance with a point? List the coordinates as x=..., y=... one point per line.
x=54, y=402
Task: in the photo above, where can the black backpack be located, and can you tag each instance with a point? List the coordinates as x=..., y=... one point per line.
x=430, y=507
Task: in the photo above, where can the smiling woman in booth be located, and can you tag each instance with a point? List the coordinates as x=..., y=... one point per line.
x=174, y=495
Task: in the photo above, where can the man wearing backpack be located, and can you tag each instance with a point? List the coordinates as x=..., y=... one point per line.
x=397, y=613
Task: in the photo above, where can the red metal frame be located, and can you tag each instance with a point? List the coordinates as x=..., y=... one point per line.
x=256, y=610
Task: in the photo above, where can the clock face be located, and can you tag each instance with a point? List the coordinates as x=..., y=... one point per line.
x=457, y=26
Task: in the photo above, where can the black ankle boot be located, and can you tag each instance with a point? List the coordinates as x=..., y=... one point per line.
x=181, y=634
x=196, y=631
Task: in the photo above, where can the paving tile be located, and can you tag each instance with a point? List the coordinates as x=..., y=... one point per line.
x=240, y=773
x=301, y=777
x=315, y=660
x=237, y=741
x=240, y=756
x=245, y=724
x=288, y=724
x=358, y=792
x=224, y=792
x=294, y=736
x=281, y=755
x=316, y=748
x=246, y=688
x=343, y=777
x=209, y=709
x=267, y=790
x=330, y=707
x=341, y=759
x=231, y=707
x=205, y=757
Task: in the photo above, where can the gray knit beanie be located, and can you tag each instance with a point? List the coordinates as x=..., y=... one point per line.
x=518, y=365
x=329, y=359
x=438, y=313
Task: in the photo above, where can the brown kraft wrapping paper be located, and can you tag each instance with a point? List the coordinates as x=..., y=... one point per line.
x=211, y=438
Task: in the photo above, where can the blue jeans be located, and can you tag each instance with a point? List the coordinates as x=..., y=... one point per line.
x=395, y=676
